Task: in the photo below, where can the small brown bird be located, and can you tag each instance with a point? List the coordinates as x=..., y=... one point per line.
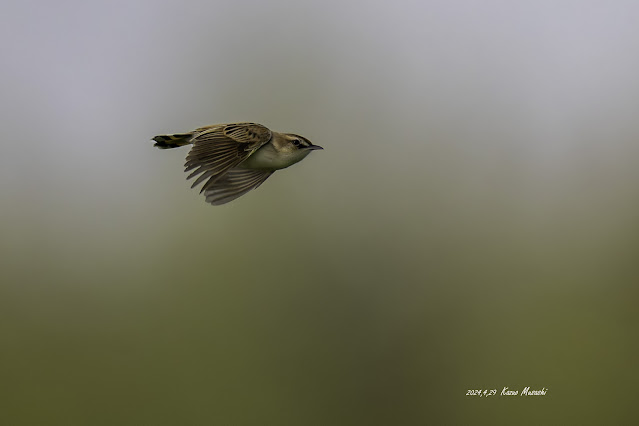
x=236, y=158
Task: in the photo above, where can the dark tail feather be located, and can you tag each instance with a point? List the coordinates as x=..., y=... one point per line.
x=172, y=141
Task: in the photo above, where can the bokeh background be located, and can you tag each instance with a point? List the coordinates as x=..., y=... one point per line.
x=471, y=224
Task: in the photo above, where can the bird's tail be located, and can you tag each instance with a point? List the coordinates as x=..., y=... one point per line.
x=172, y=141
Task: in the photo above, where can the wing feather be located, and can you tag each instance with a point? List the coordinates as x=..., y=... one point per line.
x=219, y=148
x=234, y=184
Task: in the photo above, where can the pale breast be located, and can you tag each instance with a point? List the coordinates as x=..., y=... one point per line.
x=267, y=158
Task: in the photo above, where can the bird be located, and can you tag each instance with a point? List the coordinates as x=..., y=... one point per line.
x=233, y=159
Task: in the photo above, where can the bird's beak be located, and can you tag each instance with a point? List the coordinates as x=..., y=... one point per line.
x=314, y=147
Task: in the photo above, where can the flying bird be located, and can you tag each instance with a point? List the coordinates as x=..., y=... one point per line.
x=232, y=159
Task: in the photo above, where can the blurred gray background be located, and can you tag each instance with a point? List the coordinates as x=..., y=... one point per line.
x=471, y=224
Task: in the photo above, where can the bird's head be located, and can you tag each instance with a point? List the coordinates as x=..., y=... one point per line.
x=298, y=144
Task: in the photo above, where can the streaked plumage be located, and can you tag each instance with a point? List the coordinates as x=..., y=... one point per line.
x=232, y=159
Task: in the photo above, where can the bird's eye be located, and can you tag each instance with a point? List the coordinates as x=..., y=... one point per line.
x=296, y=142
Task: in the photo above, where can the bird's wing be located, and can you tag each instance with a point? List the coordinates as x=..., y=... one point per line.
x=216, y=149
x=234, y=184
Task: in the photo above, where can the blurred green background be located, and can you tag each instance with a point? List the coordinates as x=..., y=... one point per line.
x=471, y=224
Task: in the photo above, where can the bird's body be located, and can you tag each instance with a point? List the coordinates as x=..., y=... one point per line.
x=236, y=158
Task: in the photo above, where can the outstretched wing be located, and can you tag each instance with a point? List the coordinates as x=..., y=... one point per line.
x=217, y=149
x=234, y=184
